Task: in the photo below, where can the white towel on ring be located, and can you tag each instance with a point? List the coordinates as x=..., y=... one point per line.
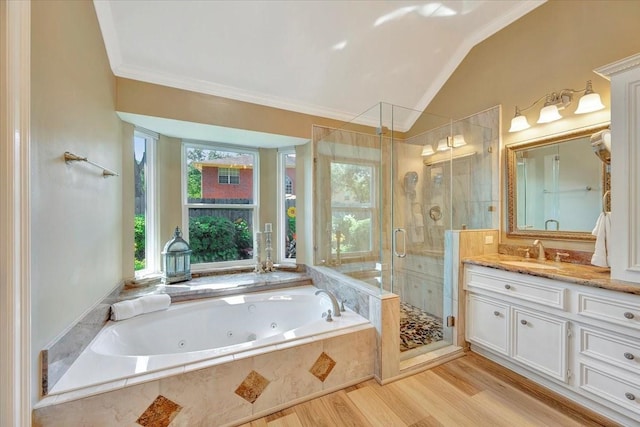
x=146, y=304
x=602, y=231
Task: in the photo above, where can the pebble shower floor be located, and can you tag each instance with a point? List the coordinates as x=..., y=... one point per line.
x=417, y=328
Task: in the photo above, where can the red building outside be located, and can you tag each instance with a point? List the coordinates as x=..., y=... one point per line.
x=231, y=178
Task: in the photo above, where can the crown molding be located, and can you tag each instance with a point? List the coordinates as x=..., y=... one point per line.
x=616, y=67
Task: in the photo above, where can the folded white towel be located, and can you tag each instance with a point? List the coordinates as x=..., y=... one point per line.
x=146, y=304
x=602, y=231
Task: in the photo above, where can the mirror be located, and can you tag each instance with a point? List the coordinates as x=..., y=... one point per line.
x=555, y=187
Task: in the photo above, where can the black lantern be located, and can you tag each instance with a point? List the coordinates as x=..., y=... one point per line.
x=176, y=259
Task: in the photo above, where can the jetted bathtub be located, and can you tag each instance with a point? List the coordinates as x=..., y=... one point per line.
x=196, y=334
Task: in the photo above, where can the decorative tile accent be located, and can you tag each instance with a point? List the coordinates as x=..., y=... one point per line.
x=323, y=366
x=252, y=387
x=160, y=413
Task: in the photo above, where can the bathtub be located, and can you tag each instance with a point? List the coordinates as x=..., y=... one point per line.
x=197, y=334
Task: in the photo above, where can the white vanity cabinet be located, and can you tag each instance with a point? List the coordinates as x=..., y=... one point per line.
x=580, y=341
x=507, y=313
x=608, y=349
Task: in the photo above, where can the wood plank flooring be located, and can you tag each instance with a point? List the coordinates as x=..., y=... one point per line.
x=470, y=391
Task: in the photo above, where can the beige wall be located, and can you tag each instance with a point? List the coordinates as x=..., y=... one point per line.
x=161, y=101
x=553, y=47
x=169, y=153
x=76, y=245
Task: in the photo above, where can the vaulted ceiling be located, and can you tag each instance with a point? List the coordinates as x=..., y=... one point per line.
x=330, y=58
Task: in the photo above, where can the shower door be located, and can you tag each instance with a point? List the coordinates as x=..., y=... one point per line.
x=420, y=193
x=441, y=180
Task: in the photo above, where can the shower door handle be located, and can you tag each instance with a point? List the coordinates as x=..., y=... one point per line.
x=404, y=242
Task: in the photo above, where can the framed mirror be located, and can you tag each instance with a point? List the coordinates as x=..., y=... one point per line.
x=556, y=187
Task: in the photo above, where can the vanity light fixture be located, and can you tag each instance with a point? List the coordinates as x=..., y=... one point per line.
x=444, y=144
x=427, y=150
x=458, y=141
x=556, y=101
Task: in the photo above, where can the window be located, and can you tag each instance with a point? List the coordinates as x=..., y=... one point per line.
x=352, y=208
x=145, y=224
x=287, y=196
x=288, y=182
x=218, y=218
x=228, y=176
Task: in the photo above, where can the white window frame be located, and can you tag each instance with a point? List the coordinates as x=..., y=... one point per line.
x=282, y=215
x=207, y=145
x=152, y=233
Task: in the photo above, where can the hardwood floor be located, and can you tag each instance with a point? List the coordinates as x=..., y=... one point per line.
x=470, y=391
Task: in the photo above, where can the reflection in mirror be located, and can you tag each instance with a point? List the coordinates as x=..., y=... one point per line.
x=556, y=186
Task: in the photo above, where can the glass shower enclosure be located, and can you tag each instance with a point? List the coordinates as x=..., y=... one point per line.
x=386, y=192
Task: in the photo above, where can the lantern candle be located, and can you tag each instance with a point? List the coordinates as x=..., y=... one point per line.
x=267, y=227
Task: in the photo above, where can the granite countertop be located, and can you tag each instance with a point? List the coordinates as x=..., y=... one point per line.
x=587, y=275
x=208, y=286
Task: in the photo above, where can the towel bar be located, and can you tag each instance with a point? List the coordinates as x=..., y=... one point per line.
x=70, y=157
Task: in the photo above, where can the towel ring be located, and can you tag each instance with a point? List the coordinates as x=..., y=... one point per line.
x=604, y=200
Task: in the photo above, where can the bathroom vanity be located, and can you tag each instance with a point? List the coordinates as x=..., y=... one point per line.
x=566, y=326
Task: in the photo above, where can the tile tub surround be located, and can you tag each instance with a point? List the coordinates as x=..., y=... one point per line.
x=587, y=275
x=380, y=307
x=56, y=358
x=208, y=286
x=159, y=345
x=210, y=396
x=353, y=292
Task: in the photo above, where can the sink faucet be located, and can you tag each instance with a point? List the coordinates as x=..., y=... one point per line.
x=537, y=243
x=334, y=301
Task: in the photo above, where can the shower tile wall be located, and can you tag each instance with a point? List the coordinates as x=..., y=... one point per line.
x=419, y=280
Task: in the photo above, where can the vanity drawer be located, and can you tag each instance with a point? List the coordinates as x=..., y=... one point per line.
x=615, y=311
x=623, y=392
x=611, y=349
x=541, y=291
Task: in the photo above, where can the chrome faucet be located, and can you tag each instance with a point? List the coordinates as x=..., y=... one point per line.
x=537, y=243
x=334, y=301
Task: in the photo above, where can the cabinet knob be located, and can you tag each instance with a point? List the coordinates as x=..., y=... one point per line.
x=629, y=356
x=629, y=315
x=507, y=286
x=630, y=396
x=524, y=322
x=497, y=313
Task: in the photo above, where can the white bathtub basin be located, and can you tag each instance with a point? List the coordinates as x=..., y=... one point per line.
x=203, y=332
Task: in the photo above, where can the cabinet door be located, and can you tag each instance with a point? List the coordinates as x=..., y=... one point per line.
x=488, y=323
x=540, y=342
